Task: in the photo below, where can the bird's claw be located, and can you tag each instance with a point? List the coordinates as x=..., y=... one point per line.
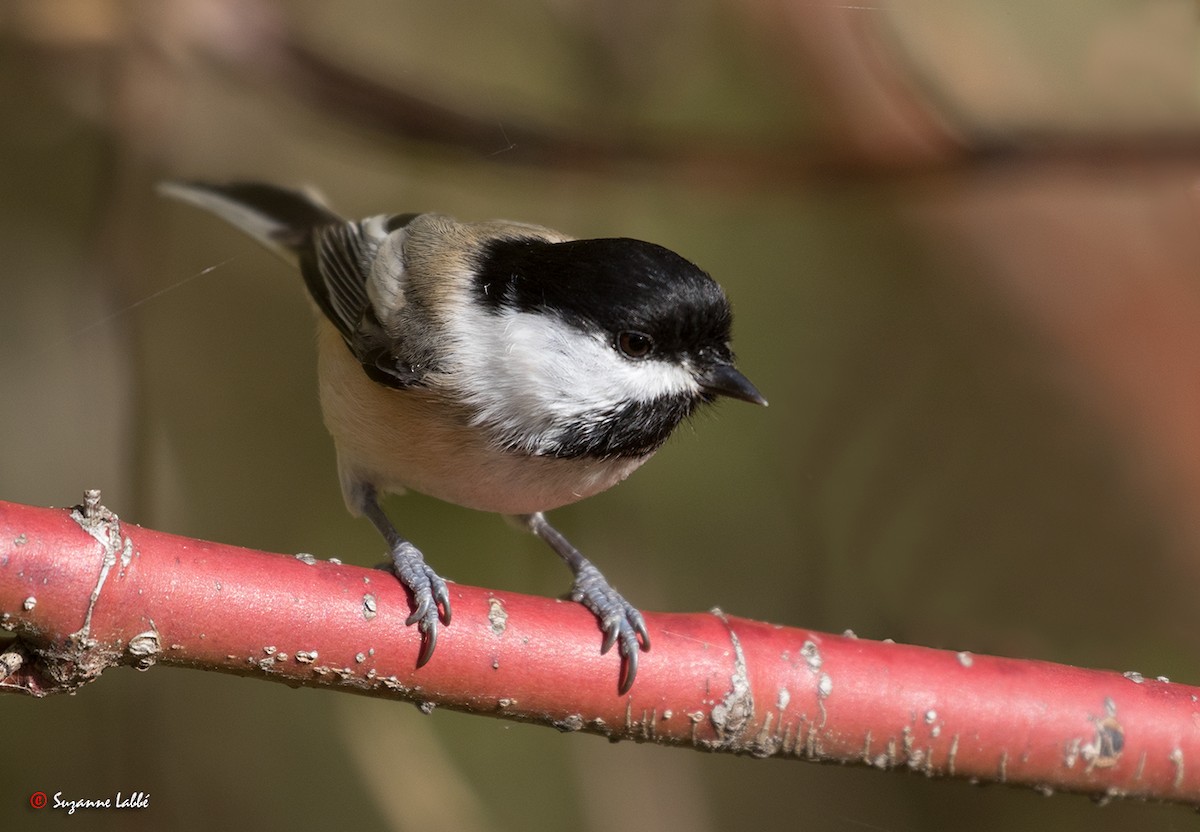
x=430, y=596
x=620, y=621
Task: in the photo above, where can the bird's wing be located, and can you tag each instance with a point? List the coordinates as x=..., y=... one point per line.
x=337, y=270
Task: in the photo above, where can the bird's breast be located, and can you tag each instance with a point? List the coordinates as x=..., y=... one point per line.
x=417, y=439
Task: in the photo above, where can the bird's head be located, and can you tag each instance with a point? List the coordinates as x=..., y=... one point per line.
x=597, y=348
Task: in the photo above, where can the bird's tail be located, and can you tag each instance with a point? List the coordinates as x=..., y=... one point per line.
x=279, y=218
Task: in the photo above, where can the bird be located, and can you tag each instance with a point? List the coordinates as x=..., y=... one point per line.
x=497, y=365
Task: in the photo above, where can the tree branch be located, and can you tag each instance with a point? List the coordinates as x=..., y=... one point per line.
x=83, y=592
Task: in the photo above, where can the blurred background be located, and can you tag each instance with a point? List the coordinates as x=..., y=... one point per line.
x=961, y=239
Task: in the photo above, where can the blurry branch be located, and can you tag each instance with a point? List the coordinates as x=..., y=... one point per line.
x=875, y=116
x=877, y=121
x=337, y=91
x=273, y=57
x=82, y=592
x=351, y=97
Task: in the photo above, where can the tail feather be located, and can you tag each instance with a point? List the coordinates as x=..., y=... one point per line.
x=278, y=218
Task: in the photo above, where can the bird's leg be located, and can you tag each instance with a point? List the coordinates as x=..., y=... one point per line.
x=621, y=623
x=408, y=564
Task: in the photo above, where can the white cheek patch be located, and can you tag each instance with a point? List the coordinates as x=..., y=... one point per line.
x=531, y=377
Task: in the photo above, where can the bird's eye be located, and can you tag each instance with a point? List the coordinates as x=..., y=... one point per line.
x=635, y=344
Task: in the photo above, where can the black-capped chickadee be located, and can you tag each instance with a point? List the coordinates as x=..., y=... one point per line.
x=497, y=365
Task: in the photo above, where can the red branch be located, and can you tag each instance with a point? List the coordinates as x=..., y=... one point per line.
x=82, y=593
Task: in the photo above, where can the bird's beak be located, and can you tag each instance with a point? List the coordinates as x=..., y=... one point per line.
x=725, y=380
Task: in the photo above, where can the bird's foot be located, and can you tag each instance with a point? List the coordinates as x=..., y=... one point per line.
x=429, y=593
x=620, y=621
